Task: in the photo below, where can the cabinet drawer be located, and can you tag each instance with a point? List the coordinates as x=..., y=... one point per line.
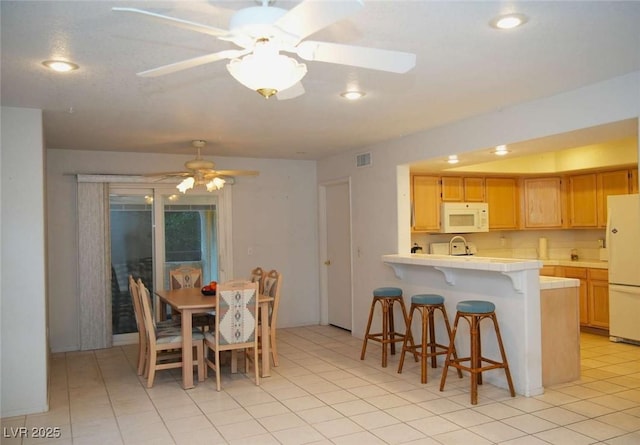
x=549, y=271
x=599, y=274
x=575, y=272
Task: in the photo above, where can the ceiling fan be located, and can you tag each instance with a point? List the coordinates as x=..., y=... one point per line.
x=202, y=172
x=263, y=31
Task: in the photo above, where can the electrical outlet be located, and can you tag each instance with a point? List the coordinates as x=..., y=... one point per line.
x=250, y=251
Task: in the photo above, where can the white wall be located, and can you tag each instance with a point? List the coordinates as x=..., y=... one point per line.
x=377, y=196
x=23, y=384
x=274, y=214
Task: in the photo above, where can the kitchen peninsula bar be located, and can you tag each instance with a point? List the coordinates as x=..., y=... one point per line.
x=513, y=285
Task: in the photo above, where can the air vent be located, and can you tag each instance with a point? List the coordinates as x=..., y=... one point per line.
x=363, y=160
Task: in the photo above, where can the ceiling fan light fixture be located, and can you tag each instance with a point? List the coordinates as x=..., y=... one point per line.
x=215, y=184
x=186, y=184
x=266, y=70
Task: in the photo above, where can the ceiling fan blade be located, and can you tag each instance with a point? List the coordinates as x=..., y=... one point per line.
x=310, y=16
x=372, y=58
x=192, y=63
x=186, y=24
x=167, y=174
x=290, y=93
x=232, y=173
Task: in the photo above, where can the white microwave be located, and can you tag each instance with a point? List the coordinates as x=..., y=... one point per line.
x=464, y=217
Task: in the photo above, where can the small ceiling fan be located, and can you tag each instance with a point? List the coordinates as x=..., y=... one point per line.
x=202, y=172
x=263, y=31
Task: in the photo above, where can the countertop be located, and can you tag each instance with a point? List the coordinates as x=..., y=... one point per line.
x=557, y=282
x=592, y=263
x=464, y=262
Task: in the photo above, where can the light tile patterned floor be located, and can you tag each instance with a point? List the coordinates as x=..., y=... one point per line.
x=322, y=393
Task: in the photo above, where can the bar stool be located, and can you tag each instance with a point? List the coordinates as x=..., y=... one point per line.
x=386, y=296
x=427, y=304
x=474, y=311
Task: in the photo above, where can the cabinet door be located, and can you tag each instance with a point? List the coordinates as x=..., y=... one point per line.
x=426, y=203
x=599, y=304
x=502, y=197
x=610, y=183
x=543, y=202
x=633, y=179
x=549, y=271
x=599, y=298
x=581, y=274
x=583, y=209
x=452, y=189
x=474, y=189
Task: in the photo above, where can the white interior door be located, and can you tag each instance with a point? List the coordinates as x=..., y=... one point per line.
x=338, y=261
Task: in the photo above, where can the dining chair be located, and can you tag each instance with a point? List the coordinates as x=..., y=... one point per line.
x=161, y=340
x=272, y=285
x=134, y=291
x=235, y=327
x=257, y=276
x=190, y=277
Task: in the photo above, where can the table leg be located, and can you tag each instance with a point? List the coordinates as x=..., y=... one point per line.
x=187, y=349
x=266, y=350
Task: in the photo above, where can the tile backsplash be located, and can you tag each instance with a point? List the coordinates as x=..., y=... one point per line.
x=525, y=243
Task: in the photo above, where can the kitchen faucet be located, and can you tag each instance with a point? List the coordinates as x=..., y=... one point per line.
x=458, y=237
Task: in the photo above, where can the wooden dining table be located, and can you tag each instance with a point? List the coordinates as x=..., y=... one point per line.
x=189, y=301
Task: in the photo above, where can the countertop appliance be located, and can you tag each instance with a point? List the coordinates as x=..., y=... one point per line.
x=464, y=217
x=457, y=248
x=623, y=245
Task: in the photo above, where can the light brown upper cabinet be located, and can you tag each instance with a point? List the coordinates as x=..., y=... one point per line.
x=610, y=183
x=633, y=179
x=473, y=189
x=543, y=202
x=425, y=203
x=583, y=206
x=459, y=189
x=587, y=195
x=502, y=197
x=452, y=189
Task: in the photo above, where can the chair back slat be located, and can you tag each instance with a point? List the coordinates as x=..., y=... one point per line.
x=145, y=300
x=236, y=312
x=257, y=276
x=185, y=277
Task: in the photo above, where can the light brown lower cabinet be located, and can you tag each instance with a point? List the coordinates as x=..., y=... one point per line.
x=560, y=332
x=593, y=294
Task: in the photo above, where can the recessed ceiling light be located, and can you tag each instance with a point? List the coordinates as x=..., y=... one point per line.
x=501, y=150
x=60, y=66
x=353, y=95
x=509, y=21
x=453, y=159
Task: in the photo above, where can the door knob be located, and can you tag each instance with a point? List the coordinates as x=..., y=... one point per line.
x=327, y=263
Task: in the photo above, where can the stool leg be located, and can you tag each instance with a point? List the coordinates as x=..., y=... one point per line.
x=448, y=327
x=366, y=334
x=411, y=342
x=406, y=337
x=450, y=352
x=504, y=355
x=392, y=329
x=432, y=336
x=423, y=350
x=385, y=331
x=476, y=377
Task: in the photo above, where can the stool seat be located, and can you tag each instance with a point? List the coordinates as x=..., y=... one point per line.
x=476, y=307
x=427, y=299
x=387, y=292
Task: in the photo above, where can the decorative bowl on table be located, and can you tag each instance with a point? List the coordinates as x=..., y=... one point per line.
x=209, y=289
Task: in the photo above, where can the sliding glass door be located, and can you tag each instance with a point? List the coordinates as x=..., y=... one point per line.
x=154, y=230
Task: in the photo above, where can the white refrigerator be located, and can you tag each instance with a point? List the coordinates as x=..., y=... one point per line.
x=623, y=246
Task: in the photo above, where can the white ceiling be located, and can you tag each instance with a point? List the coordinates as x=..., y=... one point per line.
x=464, y=68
